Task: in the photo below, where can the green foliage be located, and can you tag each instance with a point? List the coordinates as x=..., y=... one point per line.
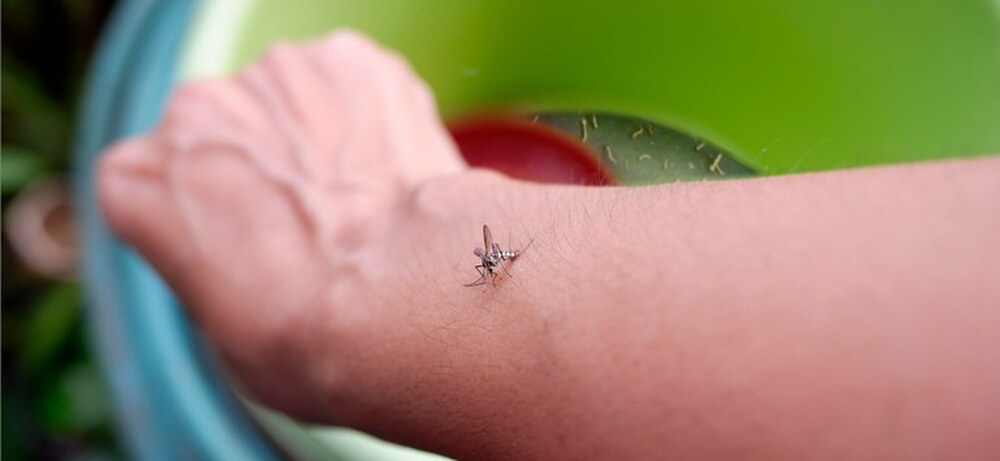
x=47, y=328
x=55, y=404
x=32, y=116
x=19, y=167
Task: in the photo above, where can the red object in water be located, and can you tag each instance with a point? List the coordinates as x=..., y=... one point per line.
x=526, y=150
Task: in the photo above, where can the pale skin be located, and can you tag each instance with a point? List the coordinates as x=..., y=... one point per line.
x=840, y=315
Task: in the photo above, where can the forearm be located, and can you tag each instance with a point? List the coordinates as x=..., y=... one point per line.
x=646, y=322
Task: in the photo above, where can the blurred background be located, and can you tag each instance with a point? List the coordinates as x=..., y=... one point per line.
x=55, y=403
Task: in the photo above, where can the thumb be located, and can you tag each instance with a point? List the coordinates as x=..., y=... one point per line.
x=136, y=203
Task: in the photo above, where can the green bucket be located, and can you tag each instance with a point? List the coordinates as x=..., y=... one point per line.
x=784, y=85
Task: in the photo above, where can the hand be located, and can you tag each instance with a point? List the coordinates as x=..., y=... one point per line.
x=256, y=196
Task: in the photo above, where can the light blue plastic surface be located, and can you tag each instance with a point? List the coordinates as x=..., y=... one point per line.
x=171, y=403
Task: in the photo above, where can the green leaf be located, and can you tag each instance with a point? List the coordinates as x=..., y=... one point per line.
x=19, y=167
x=31, y=117
x=76, y=401
x=50, y=325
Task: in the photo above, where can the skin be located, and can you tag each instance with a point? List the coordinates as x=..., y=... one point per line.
x=839, y=315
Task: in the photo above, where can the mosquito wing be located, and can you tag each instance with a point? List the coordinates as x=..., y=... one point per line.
x=487, y=238
x=478, y=252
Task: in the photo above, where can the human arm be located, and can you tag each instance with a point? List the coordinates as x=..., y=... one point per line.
x=845, y=314
x=841, y=314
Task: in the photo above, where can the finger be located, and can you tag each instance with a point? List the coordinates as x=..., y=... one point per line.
x=422, y=146
x=222, y=102
x=441, y=155
x=223, y=113
x=346, y=63
x=302, y=105
x=398, y=116
x=137, y=206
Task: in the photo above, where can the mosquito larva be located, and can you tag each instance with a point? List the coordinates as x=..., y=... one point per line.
x=645, y=157
x=583, y=127
x=666, y=164
x=700, y=146
x=534, y=119
x=611, y=156
x=593, y=118
x=715, y=167
x=638, y=132
x=649, y=128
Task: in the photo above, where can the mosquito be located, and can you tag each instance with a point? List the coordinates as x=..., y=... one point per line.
x=492, y=257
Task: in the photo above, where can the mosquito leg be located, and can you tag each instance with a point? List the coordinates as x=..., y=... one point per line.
x=478, y=282
x=527, y=246
x=482, y=277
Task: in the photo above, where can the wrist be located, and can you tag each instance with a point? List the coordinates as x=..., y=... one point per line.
x=429, y=348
